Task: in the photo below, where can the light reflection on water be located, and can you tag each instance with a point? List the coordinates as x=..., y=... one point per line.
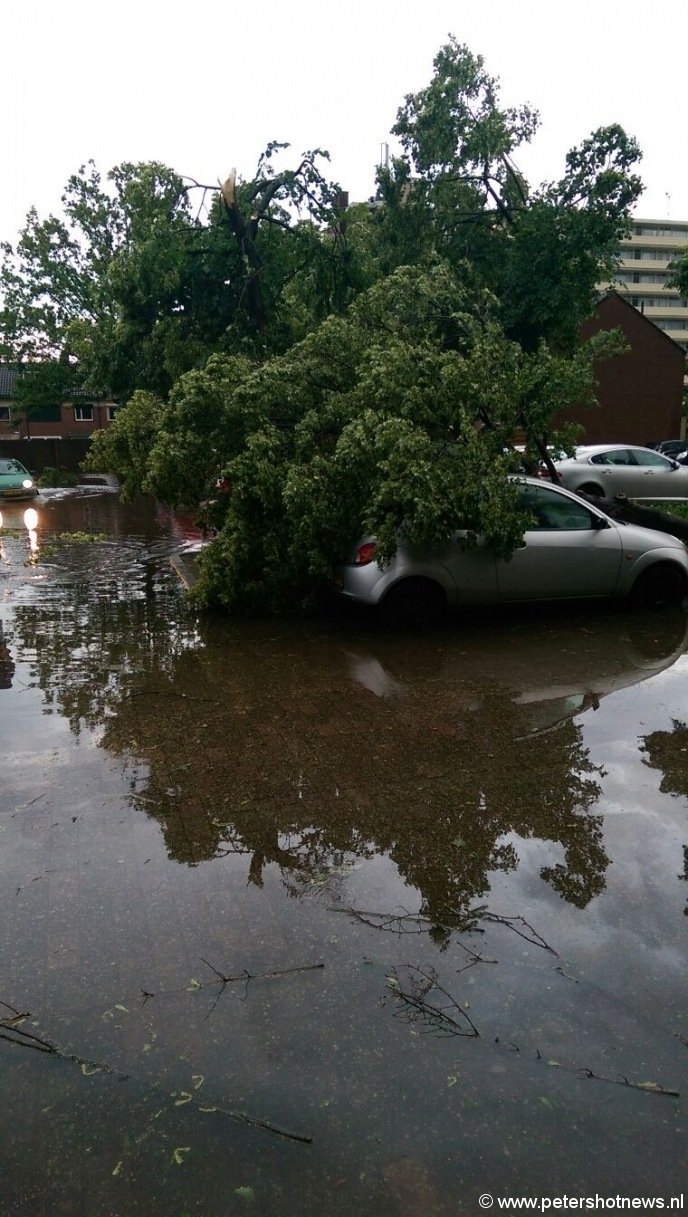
x=484, y=828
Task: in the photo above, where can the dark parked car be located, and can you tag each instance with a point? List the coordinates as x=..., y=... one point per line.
x=672, y=447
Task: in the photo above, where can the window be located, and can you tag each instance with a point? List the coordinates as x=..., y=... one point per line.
x=615, y=456
x=661, y=301
x=656, y=255
x=83, y=414
x=639, y=457
x=551, y=511
x=662, y=230
x=112, y=413
x=5, y=414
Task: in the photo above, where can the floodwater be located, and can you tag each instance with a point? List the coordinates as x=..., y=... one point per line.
x=307, y=918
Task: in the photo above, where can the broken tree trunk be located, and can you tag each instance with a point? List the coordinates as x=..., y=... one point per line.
x=621, y=508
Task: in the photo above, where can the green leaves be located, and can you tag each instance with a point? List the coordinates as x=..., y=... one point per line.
x=399, y=415
x=124, y=448
x=455, y=125
x=344, y=370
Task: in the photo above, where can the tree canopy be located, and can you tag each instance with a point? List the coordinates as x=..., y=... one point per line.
x=377, y=417
x=148, y=274
x=456, y=191
x=346, y=369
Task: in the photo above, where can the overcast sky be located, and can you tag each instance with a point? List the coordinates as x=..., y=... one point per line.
x=203, y=87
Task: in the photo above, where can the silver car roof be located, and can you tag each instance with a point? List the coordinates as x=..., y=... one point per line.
x=589, y=449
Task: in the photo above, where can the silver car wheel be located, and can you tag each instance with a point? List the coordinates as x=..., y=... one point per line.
x=659, y=586
x=414, y=603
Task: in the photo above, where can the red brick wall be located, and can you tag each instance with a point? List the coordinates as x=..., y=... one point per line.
x=640, y=392
x=67, y=428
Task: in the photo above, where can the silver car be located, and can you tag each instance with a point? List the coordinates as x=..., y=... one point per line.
x=606, y=470
x=571, y=550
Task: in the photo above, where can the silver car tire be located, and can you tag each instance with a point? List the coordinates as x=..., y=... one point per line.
x=415, y=604
x=660, y=586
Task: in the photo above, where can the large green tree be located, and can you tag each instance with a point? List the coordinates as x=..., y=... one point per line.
x=67, y=286
x=404, y=410
x=146, y=274
x=455, y=191
x=40, y=386
x=347, y=371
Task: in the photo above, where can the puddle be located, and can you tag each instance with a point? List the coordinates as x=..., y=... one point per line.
x=304, y=917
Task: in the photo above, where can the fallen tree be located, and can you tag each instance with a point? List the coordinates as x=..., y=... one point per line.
x=630, y=512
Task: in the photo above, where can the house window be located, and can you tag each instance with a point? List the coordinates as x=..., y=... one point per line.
x=83, y=414
x=112, y=413
x=5, y=414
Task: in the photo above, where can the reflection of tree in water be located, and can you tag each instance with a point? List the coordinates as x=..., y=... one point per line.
x=88, y=639
x=6, y=661
x=272, y=750
x=298, y=767
x=668, y=751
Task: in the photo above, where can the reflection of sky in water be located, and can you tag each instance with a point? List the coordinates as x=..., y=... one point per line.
x=370, y=673
x=681, y=666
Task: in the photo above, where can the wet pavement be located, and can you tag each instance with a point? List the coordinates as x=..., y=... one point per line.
x=306, y=917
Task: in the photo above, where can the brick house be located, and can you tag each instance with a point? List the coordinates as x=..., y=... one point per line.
x=640, y=392
x=76, y=418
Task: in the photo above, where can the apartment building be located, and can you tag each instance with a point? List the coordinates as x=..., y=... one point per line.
x=645, y=258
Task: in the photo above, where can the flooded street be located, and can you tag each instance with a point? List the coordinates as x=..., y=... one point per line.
x=310, y=918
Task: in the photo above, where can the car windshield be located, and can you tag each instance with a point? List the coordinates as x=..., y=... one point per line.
x=11, y=467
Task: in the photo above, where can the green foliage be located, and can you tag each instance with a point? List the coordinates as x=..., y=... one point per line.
x=454, y=126
x=401, y=413
x=139, y=289
x=563, y=243
x=63, y=283
x=456, y=193
x=40, y=385
x=124, y=448
x=52, y=476
x=344, y=370
x=669, y=508
x=199, y=424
